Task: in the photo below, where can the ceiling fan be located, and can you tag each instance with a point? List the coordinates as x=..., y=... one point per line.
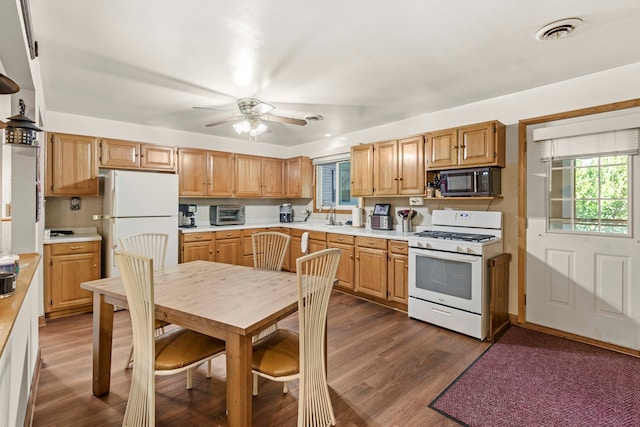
x=253, y=113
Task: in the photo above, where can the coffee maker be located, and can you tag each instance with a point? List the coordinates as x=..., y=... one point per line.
x=187, y=215
x=286, y=213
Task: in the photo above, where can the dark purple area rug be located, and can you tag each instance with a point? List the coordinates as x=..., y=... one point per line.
x=529, y=378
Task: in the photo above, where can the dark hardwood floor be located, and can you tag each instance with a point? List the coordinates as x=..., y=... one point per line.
x=384, y=369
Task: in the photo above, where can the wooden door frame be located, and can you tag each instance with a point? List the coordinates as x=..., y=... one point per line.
x=522, y=184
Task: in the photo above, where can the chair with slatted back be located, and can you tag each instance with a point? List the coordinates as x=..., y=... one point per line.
x=285, y=355
x=176, y=351
x=150, y=245
x=269, y=252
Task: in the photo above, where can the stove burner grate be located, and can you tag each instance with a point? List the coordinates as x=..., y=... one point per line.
x=449, y=235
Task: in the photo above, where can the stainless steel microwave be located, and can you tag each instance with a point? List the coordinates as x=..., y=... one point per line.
x=226, y=215
x=484, y=181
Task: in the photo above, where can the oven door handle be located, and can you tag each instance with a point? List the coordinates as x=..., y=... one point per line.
x=450, y=256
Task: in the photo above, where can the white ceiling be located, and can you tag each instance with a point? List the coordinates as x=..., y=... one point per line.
x=357, y=63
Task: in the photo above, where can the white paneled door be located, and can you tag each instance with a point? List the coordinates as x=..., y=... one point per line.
x=583, y=284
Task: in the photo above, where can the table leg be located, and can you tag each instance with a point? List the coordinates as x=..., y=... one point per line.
x=238, y=348
x=102, y=341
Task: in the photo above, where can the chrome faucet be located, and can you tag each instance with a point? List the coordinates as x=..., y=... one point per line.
x=332, y=212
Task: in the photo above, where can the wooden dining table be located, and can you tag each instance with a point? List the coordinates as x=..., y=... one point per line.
x=229, y=302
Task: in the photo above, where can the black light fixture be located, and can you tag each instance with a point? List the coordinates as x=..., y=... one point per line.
x=7, y=86
x=20, y=128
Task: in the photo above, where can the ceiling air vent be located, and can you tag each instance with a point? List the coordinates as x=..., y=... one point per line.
x=313, y=117
x=558, y=29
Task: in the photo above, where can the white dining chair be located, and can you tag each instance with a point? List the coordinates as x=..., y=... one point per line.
x=176, y=351
x=269, y=252
x=150, y=245
x=285, y=355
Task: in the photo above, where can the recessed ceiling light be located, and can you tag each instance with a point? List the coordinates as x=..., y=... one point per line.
x=327, y=135
x=558, y=29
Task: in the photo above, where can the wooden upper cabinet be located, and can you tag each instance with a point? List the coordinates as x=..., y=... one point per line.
x=119, y=154
x=115, y=153
x=192, y=170
x=72, y=165
x=481, y=144
x=157, y=157
x=442, y=149
x=272, y=177
x=411, y=169
x=362, y=170
x=385, y=168
x=248, y=176
x=399, y=167
x=299, y=177
x=259, y=176
x=219, y=174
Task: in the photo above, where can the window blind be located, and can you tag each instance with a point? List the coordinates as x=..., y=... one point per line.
x=610, y=136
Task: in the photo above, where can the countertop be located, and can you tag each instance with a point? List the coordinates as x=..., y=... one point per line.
x=311, y=226
x=87, y=234
x=11, y=305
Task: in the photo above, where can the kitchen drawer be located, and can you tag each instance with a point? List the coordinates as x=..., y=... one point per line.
x=229, y=234
x=340, y=238
x=247, y=232
x=398, y=247
x=198, y=237
x=313, y=235
x=369, y=242
x=74, y=248
x=283, y=230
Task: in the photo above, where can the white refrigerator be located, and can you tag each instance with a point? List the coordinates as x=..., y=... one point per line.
x=136, y=203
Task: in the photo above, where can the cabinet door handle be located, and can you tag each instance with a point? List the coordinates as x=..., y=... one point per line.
x=197, y=236
x=73, y=248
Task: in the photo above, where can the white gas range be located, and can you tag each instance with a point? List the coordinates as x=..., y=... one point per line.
x=447, y=270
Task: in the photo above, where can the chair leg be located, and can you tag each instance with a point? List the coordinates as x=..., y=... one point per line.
x=285, y=389
x=129, y=359
x=209, y=368
x=189, y=379
x=255, y=384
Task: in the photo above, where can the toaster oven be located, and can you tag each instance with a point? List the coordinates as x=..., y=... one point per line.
x=226, y=215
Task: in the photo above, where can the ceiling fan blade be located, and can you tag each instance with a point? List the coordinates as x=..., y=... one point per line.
x=280, y=119
x=2, y=124
x=262, y=108
x=219, y=122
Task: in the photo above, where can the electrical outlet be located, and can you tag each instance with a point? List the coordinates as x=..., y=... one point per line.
x=416, y=201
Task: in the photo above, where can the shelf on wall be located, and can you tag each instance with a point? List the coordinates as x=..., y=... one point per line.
x=463, y=198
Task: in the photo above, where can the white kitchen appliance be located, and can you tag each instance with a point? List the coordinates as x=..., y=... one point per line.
x=136, y=203
x=448, y=274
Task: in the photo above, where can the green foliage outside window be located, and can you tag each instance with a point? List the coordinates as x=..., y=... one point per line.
x=590, y=195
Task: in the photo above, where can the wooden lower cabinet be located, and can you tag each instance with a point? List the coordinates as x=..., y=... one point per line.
x=317, y=242
x=398, y=272
x=66, y=266
x=371, y=267
x=197, y=246
x=229, y=247
x=346, y=265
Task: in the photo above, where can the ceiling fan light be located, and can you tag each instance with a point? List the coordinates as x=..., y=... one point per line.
x=243, y=126
x=258, y=130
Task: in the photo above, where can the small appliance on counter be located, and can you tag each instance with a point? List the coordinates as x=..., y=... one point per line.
x=286, y=213
x=187, y=215
x=381, y=220
x=226, y=215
